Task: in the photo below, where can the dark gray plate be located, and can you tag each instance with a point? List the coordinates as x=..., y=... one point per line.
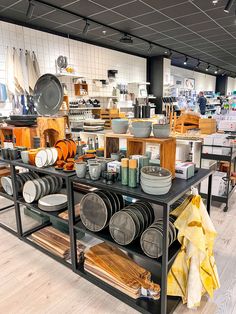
x=24, y=117
x=48, y=94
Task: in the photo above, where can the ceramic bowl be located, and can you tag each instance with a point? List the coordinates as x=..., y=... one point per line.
x=32, y=154
x=141, y=124
x=141, y=132
x=155, y=173
x=156, y=183
x=155, y=190
x=119, y=126
x=161, y=130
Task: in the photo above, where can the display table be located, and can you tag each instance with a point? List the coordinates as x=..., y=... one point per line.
x=161, y=265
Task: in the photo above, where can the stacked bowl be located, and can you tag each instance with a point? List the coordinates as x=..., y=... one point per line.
x=119, y=126
x=141, y=128
x=155, y=180
x=161, y=130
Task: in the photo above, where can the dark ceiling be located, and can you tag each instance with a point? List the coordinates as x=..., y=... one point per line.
x=197, y=28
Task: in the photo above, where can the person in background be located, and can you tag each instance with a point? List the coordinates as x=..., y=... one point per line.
x=202, y=101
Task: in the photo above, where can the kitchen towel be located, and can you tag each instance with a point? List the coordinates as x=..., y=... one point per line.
x=24, y=71
x=9, y=70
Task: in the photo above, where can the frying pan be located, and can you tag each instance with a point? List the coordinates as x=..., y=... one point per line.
x=48, y=94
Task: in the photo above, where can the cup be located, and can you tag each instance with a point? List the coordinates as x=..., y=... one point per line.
x=13, y=153
x=117, y=156
x=60, y=164
x=32, y=154
x=25, y=156
x=5, y=153
x=69, y=166
x=102, y=162
x=95, y=171
x=81, y=168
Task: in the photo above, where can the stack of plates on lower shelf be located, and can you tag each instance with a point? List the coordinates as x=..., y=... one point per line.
x=53, y=202
x=46, y=157
x=21, y=179
x=129, y=223
x=56, y=242
x=35, y=189
x=97, y=208
x=151, y=239
x=114, y=267
x=155, y=180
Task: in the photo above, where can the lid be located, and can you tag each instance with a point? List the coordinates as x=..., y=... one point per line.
x=133, y=163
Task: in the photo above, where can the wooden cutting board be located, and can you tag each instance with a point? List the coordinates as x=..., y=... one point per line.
x=110, y=262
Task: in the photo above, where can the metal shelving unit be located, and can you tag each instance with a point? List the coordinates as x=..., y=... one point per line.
x=179, y=188
x=231, y=159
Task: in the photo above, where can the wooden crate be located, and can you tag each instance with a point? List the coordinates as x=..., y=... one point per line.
x=207, y=126
x=51, y=129
x=81, y=89
x=22, y=135
x=137, y=146
x=108, y=115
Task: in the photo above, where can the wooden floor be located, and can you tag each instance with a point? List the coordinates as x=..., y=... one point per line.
x=31, y=282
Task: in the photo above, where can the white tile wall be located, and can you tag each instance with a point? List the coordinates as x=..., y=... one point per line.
x=89, y=61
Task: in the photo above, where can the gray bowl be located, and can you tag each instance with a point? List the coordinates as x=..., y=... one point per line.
x=155, y=173
x=161, y=130
x=119, y=126
x=142, y=124
x=141, y=132
x=155, y=190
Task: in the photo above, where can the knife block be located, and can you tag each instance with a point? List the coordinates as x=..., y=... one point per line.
x=51, y=130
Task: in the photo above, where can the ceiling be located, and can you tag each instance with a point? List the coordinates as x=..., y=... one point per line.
x=193, y=27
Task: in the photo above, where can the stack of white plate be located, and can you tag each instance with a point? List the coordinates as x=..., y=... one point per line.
x=21, y=179
x=46, y=157
x=35, y=189
x=155, y=180
x=53, y=202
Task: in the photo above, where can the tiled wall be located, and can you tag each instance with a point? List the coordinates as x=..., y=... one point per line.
x=89, y=61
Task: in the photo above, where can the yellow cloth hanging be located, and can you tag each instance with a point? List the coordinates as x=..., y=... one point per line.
x=194, y=271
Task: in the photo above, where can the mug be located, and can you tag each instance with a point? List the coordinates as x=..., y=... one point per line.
x=25, y=156
x=103, y=162
x=13, y=153
x=81, y=168
x=5, y=153
x=95, y=170
x=117, y=156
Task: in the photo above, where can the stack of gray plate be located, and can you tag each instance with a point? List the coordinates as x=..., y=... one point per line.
x=152, y=238
x=53, y=202
x=35, y=189
x=97, y=208
x=129, y=223
x=21, y=179
x=155, y=180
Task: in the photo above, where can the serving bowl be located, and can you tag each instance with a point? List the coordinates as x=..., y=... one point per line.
x=161, y=130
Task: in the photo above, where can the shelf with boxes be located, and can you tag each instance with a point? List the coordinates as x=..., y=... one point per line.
x=219, y=148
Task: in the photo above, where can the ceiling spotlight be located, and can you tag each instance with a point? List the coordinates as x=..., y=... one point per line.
x=186, y=61
x=126, y=39
x=216, y=71
x=208, y=67
x=228, y=6
x=86, y=27
x=215, y=1
x=104, y=32
x=150, y=48
x=166, y=52
x=30, y=9
x=198, y=64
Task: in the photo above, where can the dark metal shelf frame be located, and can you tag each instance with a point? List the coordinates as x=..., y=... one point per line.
x=231, y=159
x=179, y=188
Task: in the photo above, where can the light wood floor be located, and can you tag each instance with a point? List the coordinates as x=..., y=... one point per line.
x=32, y=283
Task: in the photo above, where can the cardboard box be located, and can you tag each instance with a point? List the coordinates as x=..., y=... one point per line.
x=184, y=170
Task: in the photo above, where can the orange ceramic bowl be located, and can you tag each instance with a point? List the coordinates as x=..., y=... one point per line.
x=69, y=166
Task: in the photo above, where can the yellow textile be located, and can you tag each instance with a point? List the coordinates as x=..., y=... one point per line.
x=193, y=272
